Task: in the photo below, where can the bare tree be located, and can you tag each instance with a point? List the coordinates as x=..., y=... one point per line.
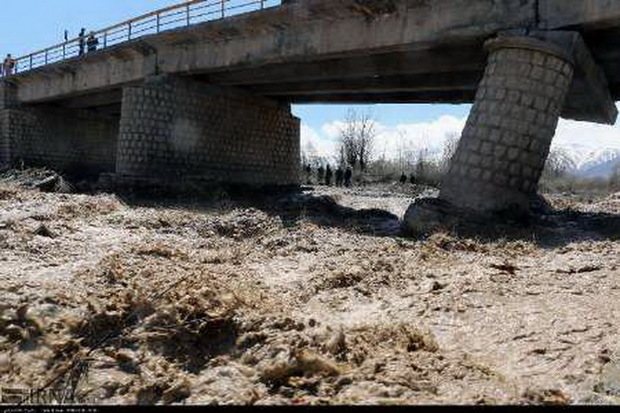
x=422, y=165
x=614, y=180
x=404, y=153
x=449, y=149
x=357, y=138
x=558, y=164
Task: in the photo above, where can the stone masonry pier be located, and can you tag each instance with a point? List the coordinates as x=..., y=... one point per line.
x=169, y=130
x=175, y=128
x=506, y=140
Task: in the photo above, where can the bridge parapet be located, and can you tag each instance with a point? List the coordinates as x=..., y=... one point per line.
x=184, y=14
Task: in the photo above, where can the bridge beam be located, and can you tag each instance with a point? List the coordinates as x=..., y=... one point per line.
x=506, y=141
x=174, y=130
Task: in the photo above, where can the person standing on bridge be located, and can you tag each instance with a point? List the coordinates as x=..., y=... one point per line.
x=8, y=66
x=82, y=41
x=92, y=42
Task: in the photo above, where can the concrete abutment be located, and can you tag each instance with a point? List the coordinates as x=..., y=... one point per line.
x=175, y=129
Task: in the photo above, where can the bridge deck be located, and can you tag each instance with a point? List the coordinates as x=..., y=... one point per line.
x=326, y=51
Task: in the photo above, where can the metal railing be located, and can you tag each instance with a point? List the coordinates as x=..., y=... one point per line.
x=169, y=18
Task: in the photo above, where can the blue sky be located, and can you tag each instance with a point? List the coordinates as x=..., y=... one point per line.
x=30, y=25
x=316, y=116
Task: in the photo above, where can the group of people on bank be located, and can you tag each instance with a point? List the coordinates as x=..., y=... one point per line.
x=86, y=44
x=403, y=179
x=325, y=175
x=341, y=177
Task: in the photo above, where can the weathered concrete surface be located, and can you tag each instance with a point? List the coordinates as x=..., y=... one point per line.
x=8, y=94
x=587, y=14
x=589, y=97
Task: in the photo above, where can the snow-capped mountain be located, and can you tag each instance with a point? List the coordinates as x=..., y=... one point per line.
x=588, y=163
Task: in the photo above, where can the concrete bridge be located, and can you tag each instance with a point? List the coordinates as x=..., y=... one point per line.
x=191, y=91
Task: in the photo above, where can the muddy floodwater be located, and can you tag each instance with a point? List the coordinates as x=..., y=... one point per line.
x=308, y=298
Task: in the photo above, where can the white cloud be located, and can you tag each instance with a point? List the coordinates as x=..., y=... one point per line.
x=412, y=137
x=579, y=138
x=430, y=136
x=587, y=136
x=314, y=145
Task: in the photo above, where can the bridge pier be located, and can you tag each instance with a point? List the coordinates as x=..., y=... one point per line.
x=506, y=140
x=174, y=129
x=8, y=99
x=68, y=140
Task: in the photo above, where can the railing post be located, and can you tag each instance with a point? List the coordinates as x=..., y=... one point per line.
x=67, y=46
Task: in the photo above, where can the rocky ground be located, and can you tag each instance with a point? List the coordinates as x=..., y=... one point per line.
x=308, y=298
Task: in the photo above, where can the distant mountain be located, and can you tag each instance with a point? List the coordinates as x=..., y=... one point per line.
x=601, y=170
x=593, y=164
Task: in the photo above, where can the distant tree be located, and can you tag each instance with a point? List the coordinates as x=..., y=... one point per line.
x=614, y=180
x=405, y=154
x=304, y=158
x=357, y=138
x=449, y=149
x=558, y=164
